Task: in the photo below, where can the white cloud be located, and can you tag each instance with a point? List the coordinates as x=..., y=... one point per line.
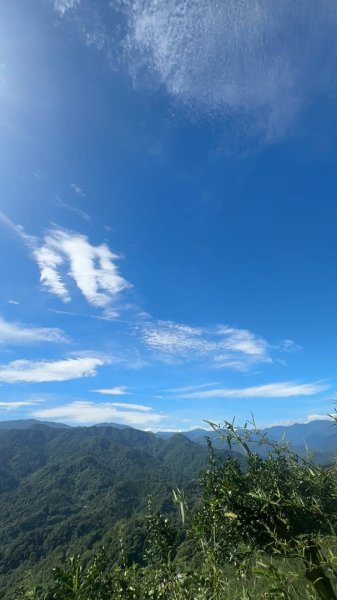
x=321, y=418
x=58, y=370
x=257, y=62
x=115, y=391
x=297, y=421
x=242, y=340
x=190, y=388
x=253, y=65
x=174, y=338
x=92, y=268
x=77, y=189
x=226, y=347
x=288, y=389
x=290, y=346
x=82, y=412
x=18, y=230
x=49, y=261
x=15, y=302
x=62, y=6
x=39, y=175
x=18, y=333
x=78, y=211
x=98, y=39
x=15, y=405
x=128, y=406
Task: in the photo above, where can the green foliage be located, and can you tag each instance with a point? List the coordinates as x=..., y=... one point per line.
x=271, y=504
x=263, y=529
x=161, y=538
x=281, y=504
x=68, y=491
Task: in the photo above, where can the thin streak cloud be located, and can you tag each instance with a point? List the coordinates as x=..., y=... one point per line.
x=19, y=404
x=57, y=370
x=13, y=333
x=287, y=389
x=82, y=412
x=115, y=391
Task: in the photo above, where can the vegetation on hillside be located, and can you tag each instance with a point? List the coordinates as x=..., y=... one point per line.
x=264, y=529
x=68, y=491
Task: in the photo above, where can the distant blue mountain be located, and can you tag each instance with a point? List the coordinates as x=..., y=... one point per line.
x=318, y=436
x=26, y=423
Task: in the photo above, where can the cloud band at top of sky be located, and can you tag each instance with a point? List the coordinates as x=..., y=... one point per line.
x=237, y=60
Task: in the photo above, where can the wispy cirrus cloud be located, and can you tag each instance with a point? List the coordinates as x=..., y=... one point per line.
x=58, y=370
x=62, y=6
x=15, y=333
x=290, y=346
x=223, y=346
x=67, y=256
x=77, y=189
x=8, y=406
x=191, y=388
x=254, y=64
x=115, y=391
x=174, y=338
x=92, y=268
x=237, y=60
x=77, y=211
x=83, y=412
x=288, y=389
x=18, y=230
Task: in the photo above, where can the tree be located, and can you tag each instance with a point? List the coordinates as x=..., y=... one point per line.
x=280, y=504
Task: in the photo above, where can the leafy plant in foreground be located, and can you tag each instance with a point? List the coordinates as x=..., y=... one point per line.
x=282, y=505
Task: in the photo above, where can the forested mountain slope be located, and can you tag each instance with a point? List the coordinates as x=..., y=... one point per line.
x=70, y=489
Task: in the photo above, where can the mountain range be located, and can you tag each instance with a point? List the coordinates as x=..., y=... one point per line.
x=317, y=436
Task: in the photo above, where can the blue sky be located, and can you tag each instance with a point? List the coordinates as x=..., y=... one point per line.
x=168, y=211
